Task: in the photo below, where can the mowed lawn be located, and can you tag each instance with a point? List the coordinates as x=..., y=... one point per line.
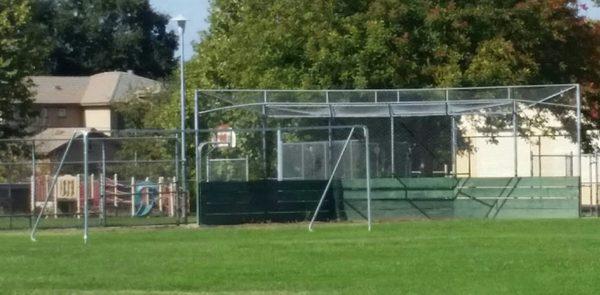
x=420, y=257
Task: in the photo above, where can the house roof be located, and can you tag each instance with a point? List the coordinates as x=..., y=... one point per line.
x=100, y=89
x=50, y=89
x=51, y=139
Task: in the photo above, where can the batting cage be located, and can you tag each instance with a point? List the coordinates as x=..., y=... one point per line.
x=478, y=152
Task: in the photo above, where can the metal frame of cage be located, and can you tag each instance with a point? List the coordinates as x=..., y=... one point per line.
x=392, y=103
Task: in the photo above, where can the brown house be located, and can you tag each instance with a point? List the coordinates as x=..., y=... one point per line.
x=67, y=102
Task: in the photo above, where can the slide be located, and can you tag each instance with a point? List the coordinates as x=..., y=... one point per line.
x=141, y=189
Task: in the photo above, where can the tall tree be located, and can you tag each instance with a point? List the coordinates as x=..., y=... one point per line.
x=396, y=44
x=90, y=36
x=393, y=44
x=19, y=55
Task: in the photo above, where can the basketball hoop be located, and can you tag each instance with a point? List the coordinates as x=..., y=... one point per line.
x=225, y=136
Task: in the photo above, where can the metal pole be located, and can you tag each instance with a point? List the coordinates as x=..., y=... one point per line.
x=197, y=160
x=596, y=182
x=454, y=145
x=540, y=156
x=182, y=125
x=85, y=187
x=103, y=188
x=176, y=156
x=590, y=182
x=208, y=167
x=279, y=156
x=368, y=174
x=392, y=147
x=515, y=138
x=329, y=154
x=33, y=180
x=264, y=135
x=337, y=163
x=578, y=97
x=247, y=170
x=531, y=163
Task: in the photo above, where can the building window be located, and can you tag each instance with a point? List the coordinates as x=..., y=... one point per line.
x=62, y=113
x=44, y=113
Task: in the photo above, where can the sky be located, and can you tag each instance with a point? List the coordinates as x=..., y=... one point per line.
x=593, y=11
x=196, y=11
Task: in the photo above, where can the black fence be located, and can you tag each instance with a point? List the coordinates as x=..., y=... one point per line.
x=266, y=201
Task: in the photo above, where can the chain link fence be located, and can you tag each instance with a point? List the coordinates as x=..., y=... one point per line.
x=132, y=179
x=431, y=151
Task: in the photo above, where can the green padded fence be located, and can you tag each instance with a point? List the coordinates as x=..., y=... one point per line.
x=391, y=198
x=238, y=202
x=526, y=197
x=518, y=197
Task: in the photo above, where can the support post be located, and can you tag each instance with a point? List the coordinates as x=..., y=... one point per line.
x=197, y=160
x=183, y=178
x=578, y=97
x=540, y=156
x=329, y=154
x=596, y=182
x=247, y=170
x=79, y=197
x=264, y=135
x=33, y=179
x=368, y=174
x=531, y=163
x=515, y=138
x=454, y=146
x=55, y=201
x=161, y=187
x=173, y=188
x=279, y=156
x=103, y=188
x=92, y=188
x=132, y=189
x=115, y=190
x=392, y=143
x=85, y=187
x=590, y=182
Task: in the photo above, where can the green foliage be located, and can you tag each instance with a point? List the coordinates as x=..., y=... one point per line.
x=143, y=112
x=393, y=44
x=19, y=55
x=90, y=36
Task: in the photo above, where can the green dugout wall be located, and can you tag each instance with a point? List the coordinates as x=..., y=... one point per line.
x=391, y=198
x=516, y=197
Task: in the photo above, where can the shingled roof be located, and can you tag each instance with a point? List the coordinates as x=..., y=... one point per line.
x=51, y=139
x=96, y=90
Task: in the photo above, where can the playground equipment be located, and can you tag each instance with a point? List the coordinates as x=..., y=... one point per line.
x=115, y=197
x=146, y=194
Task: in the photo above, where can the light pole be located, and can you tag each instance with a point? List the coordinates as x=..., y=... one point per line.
x=181, y=25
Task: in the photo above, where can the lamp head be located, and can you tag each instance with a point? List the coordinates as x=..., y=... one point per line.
x=180, y=20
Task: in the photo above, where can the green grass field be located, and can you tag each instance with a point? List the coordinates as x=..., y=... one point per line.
x=424, y=257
